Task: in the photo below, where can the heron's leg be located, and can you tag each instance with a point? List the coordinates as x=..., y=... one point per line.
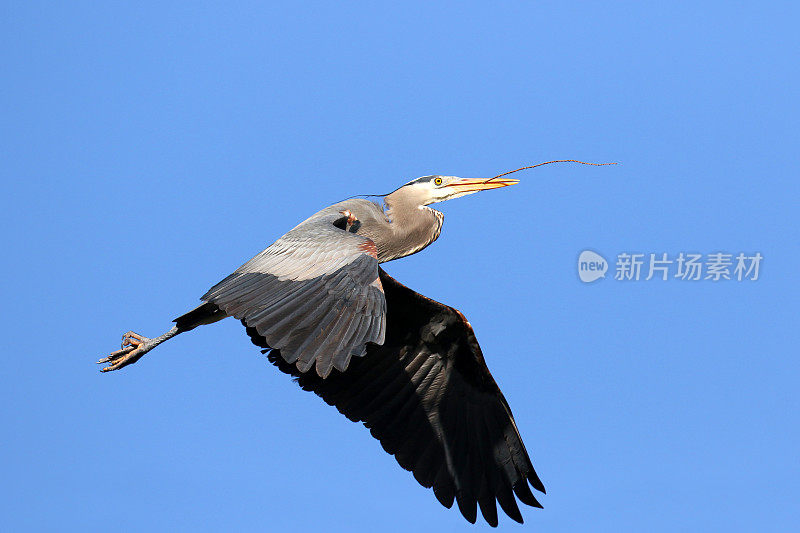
x=134, y=346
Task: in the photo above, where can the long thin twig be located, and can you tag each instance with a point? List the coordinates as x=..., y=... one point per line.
x=547, y=163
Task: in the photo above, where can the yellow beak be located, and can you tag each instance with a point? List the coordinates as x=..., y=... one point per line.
x=464, y=185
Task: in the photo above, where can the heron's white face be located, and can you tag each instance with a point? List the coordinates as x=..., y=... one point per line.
x=433, y=189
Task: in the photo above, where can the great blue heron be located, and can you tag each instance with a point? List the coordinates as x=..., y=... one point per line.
x=408, y=367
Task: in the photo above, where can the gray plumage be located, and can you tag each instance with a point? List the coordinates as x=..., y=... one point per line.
x=314, y=294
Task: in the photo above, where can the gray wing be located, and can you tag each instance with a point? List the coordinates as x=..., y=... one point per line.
x=429, y=397
x=314, y=294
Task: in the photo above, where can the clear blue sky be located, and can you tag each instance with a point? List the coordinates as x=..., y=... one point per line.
x=148, y=150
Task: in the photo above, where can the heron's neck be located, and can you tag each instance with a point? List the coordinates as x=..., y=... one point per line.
x=412, y=228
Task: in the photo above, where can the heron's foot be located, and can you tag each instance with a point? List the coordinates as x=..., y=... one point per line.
x=134, y=346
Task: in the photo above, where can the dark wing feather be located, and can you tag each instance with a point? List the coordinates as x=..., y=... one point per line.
x=314, y=294
x=428, y=397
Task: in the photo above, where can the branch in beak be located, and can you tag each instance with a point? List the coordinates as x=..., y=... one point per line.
x=464, y=185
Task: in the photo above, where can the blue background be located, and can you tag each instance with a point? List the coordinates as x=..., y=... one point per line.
x=148, y=151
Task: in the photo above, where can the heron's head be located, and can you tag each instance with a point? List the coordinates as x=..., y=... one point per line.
x=431, y=189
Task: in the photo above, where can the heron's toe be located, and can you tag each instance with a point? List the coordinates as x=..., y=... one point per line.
x=114, y=356
x=132, y=338
x=134, y=346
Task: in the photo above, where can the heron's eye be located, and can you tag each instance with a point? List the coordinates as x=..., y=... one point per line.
x=437, y=181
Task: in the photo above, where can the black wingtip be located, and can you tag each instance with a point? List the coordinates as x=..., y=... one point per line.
x=523, y=492
x=537, y=483
x=444, y=496
x=509, y=505
x=468, y=507
x=489, y=510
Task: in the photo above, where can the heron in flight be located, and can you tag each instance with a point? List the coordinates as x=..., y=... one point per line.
x=320, y=306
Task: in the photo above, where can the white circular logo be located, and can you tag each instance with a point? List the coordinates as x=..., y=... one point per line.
x=591, y=266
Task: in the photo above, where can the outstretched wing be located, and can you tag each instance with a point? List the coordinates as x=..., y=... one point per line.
x=314, y=294
x=429, y=398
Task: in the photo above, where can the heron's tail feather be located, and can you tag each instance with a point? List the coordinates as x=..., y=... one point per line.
x=206, y=313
